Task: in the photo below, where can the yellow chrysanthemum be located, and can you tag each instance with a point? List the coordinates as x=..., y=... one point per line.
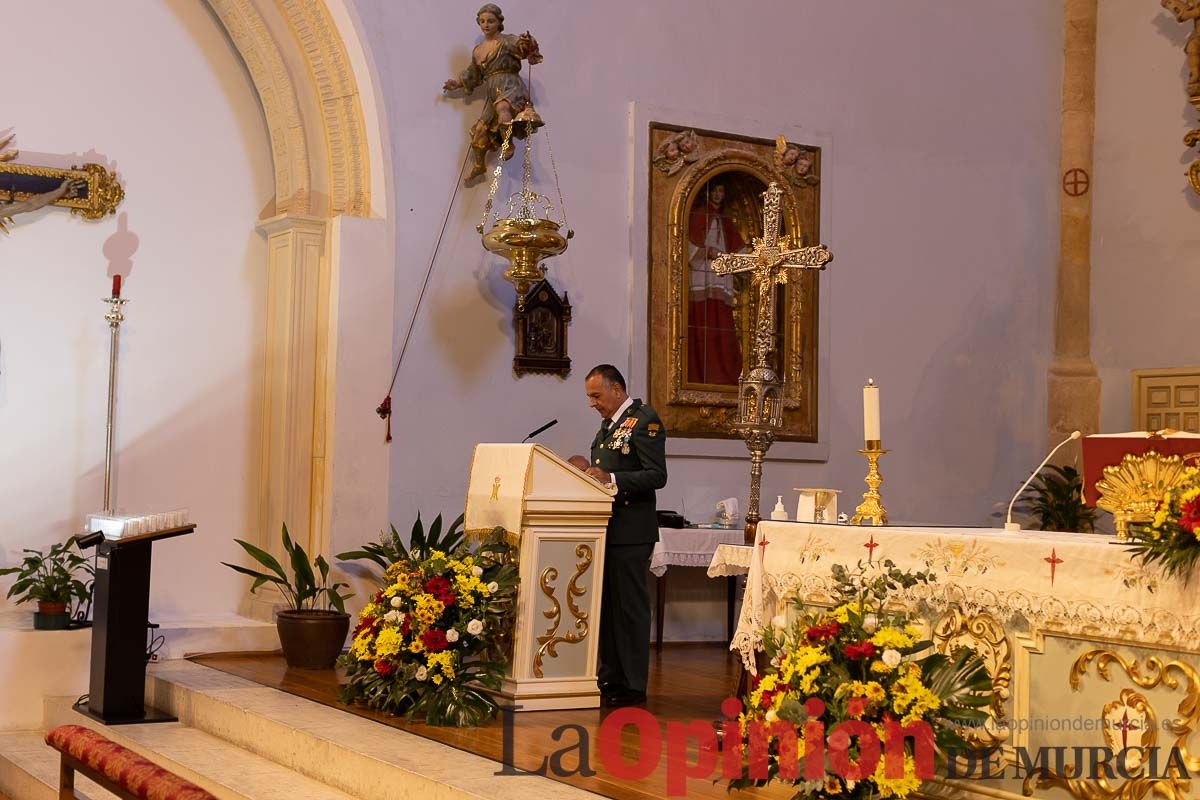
x=897, y=787
x=870, y=690
x=880, y=667
x=911, y=698
x=389, y=643
x=892, y=638
x=361, y=648
x=443, y=662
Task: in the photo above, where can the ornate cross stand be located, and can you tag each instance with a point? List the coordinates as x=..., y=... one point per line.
x=760, y=401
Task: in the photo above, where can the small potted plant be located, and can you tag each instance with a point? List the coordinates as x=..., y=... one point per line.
x=50, y=579
x=312, y=630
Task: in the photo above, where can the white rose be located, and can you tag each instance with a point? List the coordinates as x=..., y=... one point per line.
x=476, y=571
x=393, y=617
x=779, y=622
x=891, y=658
x=422, y=673
x=396, y=601
x=474, y=627
x=451, y=635
x=493, y=587
x=870, y=623
x=771, y=715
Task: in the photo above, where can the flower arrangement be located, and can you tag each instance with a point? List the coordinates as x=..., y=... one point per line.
x=1172, y=539
x=856, y=672
x=431, y=641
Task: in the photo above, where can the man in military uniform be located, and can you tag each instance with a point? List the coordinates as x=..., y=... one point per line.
x=629, y=451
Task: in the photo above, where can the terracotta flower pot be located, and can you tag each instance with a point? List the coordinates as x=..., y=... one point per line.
x=51, y=616
x=312, y=639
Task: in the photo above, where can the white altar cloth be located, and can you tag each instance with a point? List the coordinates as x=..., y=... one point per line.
x=690, y=547
x=1074, y=583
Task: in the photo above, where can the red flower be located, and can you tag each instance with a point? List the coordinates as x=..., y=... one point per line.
x=434, y=640
x=406, y=626
x=384, y=668
x=767, y=697
x=819, y=633
x=1189, y=515
x=856, y=706
x=447, y=599
x=860, y=650
x=364, y=624
x=437, y=585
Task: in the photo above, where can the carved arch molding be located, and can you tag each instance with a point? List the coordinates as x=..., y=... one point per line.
x=342, y=154
x=298, y=62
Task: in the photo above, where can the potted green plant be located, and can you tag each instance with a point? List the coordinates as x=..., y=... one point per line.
x=1055, y=499
x=312, y=630
x=50, y=579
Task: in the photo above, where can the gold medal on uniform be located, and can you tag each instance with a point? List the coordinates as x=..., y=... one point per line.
x=625, y=449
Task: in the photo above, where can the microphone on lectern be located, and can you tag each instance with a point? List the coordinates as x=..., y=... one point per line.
x=549, y=424
x=1009, y=525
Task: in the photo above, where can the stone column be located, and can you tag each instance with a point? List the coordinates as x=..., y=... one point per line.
x=1073, y=387
x=295, y=414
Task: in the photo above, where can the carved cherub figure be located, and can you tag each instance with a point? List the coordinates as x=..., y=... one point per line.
x=795, y=162
x=10, y=209
x=1184, y=11
x=496, y=67
x=678, y=149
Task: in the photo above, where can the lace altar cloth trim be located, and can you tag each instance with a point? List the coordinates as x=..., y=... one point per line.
x=1074, y=583
x=690, y=547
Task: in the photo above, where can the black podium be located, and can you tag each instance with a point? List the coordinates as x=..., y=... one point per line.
x=121, y=611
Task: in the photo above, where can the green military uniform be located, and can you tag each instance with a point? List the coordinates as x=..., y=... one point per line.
x=633, y=450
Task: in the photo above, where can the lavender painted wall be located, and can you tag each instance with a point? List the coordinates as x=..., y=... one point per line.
x=1145, y=239
x=939, y=206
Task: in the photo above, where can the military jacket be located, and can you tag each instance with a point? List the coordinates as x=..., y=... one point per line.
x=634, y=451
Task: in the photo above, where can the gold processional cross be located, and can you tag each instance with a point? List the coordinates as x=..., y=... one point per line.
x=760, y=404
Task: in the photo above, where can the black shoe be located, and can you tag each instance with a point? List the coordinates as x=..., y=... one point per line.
x=626, y=698
x=611, y=690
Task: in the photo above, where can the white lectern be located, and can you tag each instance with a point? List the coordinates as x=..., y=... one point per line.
x=559, y=515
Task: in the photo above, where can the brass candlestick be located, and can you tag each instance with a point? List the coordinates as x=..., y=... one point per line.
x=114, y=318
x=871, y=506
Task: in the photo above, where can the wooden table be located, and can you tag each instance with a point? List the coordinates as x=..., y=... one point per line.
x=690, y=547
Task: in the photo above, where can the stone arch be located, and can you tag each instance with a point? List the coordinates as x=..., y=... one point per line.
x=310, y=100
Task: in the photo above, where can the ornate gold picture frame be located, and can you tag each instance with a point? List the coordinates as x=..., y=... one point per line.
x=101, y=195
x=704, y=197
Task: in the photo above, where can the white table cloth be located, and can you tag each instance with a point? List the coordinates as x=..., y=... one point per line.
x=1076, y=583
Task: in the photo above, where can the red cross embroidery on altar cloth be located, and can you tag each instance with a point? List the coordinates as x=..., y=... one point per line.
x=871, y=545
x=1053, y=560
x=763, y=544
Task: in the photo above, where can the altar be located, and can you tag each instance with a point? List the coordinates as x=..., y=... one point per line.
x=1086, y=647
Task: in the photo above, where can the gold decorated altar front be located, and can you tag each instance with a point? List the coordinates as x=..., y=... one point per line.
x=1086, y=647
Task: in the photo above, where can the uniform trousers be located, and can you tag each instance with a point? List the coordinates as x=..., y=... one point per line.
x=625, y=619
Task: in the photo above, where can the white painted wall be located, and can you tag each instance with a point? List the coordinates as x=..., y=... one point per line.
x=1145, y=239
x=155, y=91
x=943, y=131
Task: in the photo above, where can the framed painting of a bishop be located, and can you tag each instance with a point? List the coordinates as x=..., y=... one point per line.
x=706, y=198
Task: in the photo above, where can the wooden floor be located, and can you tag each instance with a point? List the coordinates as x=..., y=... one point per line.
x=687, y=683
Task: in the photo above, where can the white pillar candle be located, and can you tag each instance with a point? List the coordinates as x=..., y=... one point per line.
x=871, y=411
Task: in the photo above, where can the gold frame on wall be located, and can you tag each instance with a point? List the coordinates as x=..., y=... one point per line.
x=704, y=410
x=101, y=195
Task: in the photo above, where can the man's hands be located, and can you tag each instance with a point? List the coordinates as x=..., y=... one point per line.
x=599, y=474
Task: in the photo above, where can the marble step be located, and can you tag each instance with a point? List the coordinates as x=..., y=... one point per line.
x=29, y=770
x=223, y=769
x=365, y=759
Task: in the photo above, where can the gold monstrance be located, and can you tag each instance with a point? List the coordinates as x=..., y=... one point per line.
x=760, y=401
